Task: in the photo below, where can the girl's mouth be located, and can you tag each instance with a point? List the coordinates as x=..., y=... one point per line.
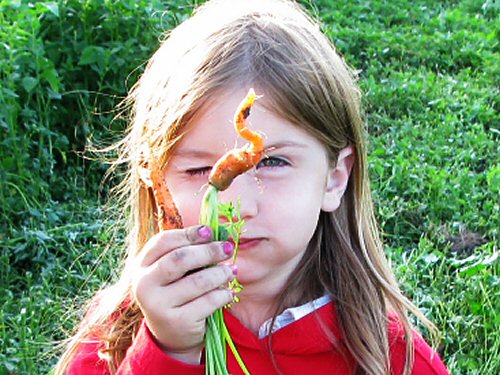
x=248, y=243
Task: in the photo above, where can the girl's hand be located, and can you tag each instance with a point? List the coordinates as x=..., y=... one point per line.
x=178, y=284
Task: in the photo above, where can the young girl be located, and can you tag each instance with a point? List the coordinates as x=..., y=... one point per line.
x=319, y=296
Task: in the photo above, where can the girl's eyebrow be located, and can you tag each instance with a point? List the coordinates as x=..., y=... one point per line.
x=284, y=144
x=195, y=153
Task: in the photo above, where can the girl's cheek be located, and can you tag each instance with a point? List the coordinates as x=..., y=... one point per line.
x=189, y=217
x=189, y=209
x=274, y=188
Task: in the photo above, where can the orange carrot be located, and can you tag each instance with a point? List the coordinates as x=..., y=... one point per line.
x=167, y=214
x=238, y=161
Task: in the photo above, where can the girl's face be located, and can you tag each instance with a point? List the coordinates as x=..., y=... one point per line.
x=281, y=198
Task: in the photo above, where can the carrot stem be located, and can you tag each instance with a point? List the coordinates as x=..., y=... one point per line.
x=231, y=345
x=217, y=334
x=209, y=214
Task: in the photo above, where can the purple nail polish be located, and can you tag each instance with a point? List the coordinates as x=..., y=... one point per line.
x=205, y=232
x=234, y=269
x=228, y=248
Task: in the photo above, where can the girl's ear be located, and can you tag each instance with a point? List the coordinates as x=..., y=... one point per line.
x=337, y=179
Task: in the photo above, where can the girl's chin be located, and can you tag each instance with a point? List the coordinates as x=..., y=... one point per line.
x=251, y=275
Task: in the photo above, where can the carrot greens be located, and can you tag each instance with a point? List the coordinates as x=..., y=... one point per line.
x=217, y=334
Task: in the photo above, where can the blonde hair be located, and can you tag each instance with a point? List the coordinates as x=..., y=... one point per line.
x=276, y=46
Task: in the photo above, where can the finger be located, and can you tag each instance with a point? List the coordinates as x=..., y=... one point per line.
x=175, y=264
x=202, y=282
x=160, y=300
x=166, y=241
x=201, y=308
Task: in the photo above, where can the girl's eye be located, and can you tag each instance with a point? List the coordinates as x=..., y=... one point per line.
x=272, y=162
x=198, y=171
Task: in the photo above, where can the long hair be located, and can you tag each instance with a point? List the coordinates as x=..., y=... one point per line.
x=277, y=47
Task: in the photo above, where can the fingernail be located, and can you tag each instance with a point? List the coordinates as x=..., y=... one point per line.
x=205, y=232
x=228, y=248
x=234, y=269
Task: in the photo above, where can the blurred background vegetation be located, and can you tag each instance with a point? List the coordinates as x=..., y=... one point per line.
x=429, y=71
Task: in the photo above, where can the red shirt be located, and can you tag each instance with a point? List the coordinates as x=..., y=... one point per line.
x=299, y=348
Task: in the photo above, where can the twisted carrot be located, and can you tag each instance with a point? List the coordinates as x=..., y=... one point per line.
x=238, y=161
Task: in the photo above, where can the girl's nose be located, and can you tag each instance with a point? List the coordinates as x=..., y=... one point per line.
x=245, y=190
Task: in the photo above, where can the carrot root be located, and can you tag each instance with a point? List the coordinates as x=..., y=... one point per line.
x=167, y=214
x=238, y=161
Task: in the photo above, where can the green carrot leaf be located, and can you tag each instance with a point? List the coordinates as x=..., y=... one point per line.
x=217, y=335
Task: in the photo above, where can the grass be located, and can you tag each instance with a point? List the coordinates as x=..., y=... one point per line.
x=430, y=74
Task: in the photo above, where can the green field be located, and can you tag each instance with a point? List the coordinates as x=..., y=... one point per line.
x=430, y=73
